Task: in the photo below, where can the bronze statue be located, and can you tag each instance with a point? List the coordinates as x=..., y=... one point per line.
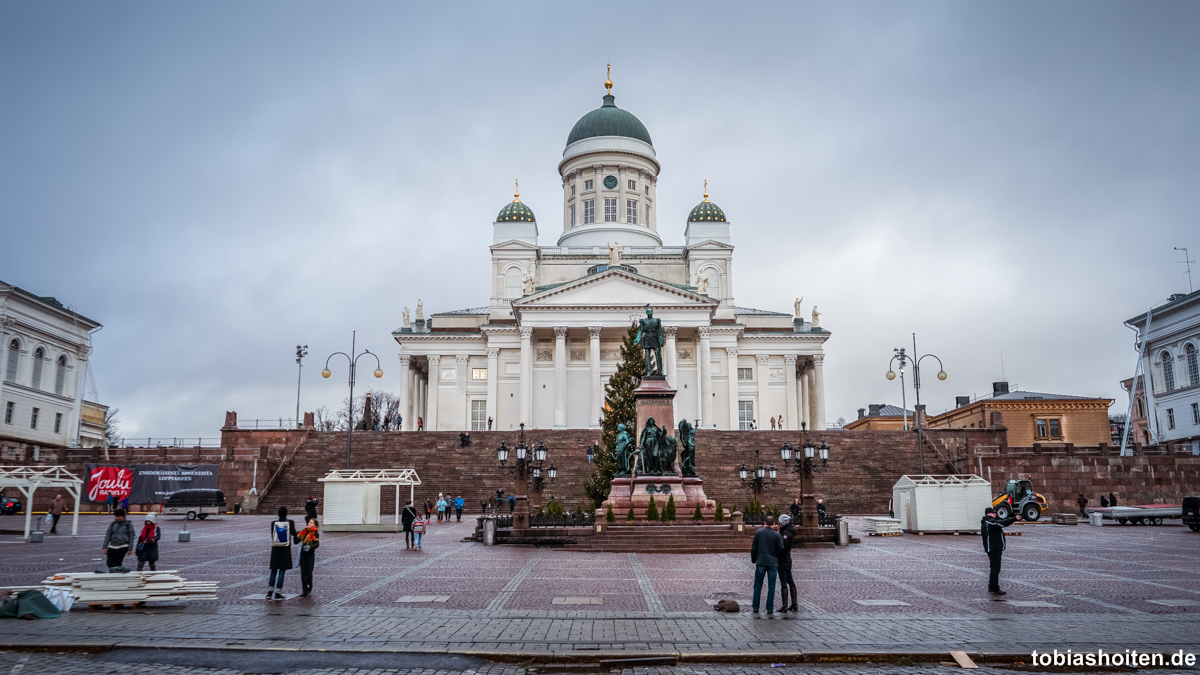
x=687, y=454
x=651, y=329
x=667, y=459
x=623, y=450
x=651, y=438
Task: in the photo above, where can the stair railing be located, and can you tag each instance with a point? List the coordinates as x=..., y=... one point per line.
x=283, y=464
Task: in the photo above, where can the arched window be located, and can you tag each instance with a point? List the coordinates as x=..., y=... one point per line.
x=513, y=284
x=1168, y=371
x=1141, y=407
x=60, y=374
x=1193, y=367
x=39, y=355
x=14, y=353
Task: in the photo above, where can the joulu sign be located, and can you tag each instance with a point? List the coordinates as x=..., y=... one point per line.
x=147, y=483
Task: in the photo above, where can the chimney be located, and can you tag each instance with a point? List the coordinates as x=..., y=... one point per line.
x=919, y=415
x=999, y=388
x=962, y=401
x=862, y=412
x=874, y=409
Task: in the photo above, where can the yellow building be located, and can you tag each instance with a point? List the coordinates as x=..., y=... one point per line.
x=881, y=417
x=1033, y=417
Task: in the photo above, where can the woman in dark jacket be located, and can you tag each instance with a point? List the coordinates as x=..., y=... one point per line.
x=283, y=533
x=147, y=543
x=308, y=539
x=786, y=582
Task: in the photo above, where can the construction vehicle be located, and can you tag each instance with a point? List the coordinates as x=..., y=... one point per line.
x=1019, y=498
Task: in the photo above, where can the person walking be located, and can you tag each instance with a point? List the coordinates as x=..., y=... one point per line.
x=399, y=422
x=1112, y=499
x=110, y=502
x=283, y=533
x=462, y=439
x=57, y=506
x=512, y=502
x=772, y=423
x=483, y=504
x=787, y=532
x=1082, y=502
x=309, y=539
x=310, y=509
x=441, y=507
x=992, y=530
x=118, y=540
x=420, y=424
x=419, y=529
x=124, y=503
x=406, y=518
x=764, y=553
x=428, y=508
x=458, y=507
x=147, y=543
x=489, y=424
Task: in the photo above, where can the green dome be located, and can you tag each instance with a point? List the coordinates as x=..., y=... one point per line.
x=516, y=211
x=609, y=120
x=706, y=212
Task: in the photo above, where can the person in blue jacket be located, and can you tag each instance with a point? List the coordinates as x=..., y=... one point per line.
x=459, y=503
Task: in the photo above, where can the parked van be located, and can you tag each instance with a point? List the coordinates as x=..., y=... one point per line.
x=1191, y=513
x=196, y=503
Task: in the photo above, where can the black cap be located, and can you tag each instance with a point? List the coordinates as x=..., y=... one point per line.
x=989, y=511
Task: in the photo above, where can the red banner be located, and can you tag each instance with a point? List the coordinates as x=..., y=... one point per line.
x=105, y=480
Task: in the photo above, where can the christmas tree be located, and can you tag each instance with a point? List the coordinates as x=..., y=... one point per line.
x=619, y=408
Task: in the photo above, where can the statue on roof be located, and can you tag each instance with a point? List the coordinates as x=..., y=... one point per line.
x=650, y=337
x=702, y=284
x=406, y=317
x=614, y=254
x=529, y=283
x=816, y=322
x=420, y=311
x=798, y=301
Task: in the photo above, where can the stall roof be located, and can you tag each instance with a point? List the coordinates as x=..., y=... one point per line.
x=388, y=476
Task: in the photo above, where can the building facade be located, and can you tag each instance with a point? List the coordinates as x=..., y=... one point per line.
x=883, y=417
x=1171, y=357
x=1032, y=417
x=46, y=349
x=541, y=350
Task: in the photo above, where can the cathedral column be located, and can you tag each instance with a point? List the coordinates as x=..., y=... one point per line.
x=526, y=392
x=597, y=383
x=560, y=377
x=805, y=417
x=731, y=354
x=789, y=374
x=764, y=394
x=669, y=354
x=493, y=384
x=405, y=385
x=818, y=392
x=431, y=398
x=621, y=218
x=705, y=390
x=461, y=362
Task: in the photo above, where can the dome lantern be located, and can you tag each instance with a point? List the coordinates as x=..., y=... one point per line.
x=516, y=211
x=706, y=211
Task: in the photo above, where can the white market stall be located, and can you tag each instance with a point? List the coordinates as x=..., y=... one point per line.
x=27, y=479
x=352, y=498
x=941, y=503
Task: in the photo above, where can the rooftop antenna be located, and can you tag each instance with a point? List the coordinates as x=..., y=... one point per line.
x=1189, y=262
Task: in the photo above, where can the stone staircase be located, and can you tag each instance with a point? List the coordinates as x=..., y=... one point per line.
x=678, y=538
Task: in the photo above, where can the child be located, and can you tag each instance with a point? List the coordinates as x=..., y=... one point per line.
x=419, y=529
x=147, y=544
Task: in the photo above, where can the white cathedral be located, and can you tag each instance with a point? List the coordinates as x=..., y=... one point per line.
x=549, y=338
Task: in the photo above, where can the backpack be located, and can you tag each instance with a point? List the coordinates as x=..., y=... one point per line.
x=279, y=534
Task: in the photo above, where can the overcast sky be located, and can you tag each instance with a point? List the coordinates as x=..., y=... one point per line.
x=217, y=182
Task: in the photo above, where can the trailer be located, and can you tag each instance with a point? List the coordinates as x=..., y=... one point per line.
x=1145, y=514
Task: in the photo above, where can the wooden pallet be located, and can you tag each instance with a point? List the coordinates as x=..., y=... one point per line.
x=1013, y=534
x=884, y=534
x=114, y=606
x=953, y=532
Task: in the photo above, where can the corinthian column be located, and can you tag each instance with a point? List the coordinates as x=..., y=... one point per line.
x=560, y=377
x=431, y=397
x=405, y=385
x=818, y=392
x=669, y=355
x=461, y=362
x=597, y=385
x=705, y=358
x=493, y=384
x=764, y=391
x=731, y=354
x=526, y=392
x=789, y=373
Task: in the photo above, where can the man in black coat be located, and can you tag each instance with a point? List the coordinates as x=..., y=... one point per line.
x=764, y=553
x=992, y=530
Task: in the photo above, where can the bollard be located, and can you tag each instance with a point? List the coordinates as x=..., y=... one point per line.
x=489, y=531
x=843, y=532
x=1096, y=518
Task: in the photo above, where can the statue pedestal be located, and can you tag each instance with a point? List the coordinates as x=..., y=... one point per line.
x=654, y=398
x=635, y=493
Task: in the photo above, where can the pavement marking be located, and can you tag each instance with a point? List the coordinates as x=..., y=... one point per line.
x=394, y=577
x=883, y=603
x=510, y=588
x=1030, y=603
x=20, y=665
x=423, y=598
x=1175, y=603
x=968, y=570
x=577, y=601
x=739, y=561
x=321, y=561
x=653, y=602
x=907, y=588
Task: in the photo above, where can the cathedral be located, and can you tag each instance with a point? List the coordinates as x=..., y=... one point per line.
x=541, y=350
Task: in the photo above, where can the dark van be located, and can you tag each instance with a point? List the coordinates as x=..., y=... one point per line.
x=195, y=502
x=1191, y=513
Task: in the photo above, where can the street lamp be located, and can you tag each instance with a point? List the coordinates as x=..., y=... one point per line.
x=916, y=366
x=353, y=367
x=301, y=352
x=756, y=477
x=528, y=473
x=805, y=467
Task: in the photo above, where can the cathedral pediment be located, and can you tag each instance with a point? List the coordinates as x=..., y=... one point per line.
x=616, y=290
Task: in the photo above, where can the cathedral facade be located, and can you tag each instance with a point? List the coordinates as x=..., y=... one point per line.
x=542, y=349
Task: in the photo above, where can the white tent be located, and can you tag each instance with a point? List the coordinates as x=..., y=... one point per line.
x=352, y=497
x=27, y=479
x=941, y=503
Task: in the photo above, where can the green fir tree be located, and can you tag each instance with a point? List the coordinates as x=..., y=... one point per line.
x=619, y=408
x=669, y=512
x=698, y=514
x=609, y=516
x=652, y=510
x=720, y=517
x=629, y=516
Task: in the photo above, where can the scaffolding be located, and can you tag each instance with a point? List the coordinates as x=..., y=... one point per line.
x=28, y=479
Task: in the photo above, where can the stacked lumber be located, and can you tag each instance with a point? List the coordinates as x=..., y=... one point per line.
x=134, y=588
x=882, y=527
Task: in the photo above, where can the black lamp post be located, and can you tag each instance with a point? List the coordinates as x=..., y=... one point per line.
x=756, y=476
x=353, y=366
x=805, y=467
x=527, y=470
x=904, y=360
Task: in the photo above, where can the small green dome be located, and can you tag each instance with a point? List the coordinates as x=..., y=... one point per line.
x=706, y=212
x=609, y=120
x=516, y=211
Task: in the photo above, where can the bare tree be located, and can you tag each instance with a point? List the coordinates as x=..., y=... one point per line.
x=386, y=406
x=112, y=431
x=324, y=420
